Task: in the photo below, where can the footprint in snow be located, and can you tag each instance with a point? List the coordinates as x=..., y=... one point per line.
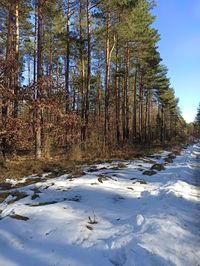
x=118, y=258
x=140, y=219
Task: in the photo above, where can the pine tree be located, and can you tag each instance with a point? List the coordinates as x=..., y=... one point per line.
x=197, y=118
x=83, y=72
x=197, y=122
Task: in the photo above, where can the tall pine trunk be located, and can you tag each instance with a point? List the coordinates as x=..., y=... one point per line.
x=35, y=46
x=50, y=70
x=38, y=129
x=88, y=69
x=67, y=56
x=117, y=93
x=16, y=85
x=9, y=80
x=135, y=106
x=149, y=110
x=127, y=91
x=107, y=76
x=162, y=130
x=123, y=109
x=82, y=59
x=141, y=110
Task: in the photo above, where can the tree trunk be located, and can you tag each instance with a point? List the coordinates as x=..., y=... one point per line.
x=10, y=32
x=67, y=56
x=29, y=71
x=126, y=92
x=35, y=47
x=88, y=68
x=8, y=80
x=107, y=76
x=39, y=42
x=141, y=111
x=50, y=70
x=162, y=131
x=123, y=109
x=82, y=59
x=16, y=85
x=38, y=128
x=57, y=74
x=135, y=107
x=117, y=93
x=149, y=132
x=146, y=117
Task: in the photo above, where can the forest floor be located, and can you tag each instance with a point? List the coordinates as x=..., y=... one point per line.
x=70, y=161
x=142, y=212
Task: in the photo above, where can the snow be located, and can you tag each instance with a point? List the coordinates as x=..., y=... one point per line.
x=109, y=216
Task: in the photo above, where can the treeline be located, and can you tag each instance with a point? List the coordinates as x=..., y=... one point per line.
x=195, y=127
x=82, y=72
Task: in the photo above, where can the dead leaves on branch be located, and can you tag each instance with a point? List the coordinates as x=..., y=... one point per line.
x=8, y=68
x=41, y=98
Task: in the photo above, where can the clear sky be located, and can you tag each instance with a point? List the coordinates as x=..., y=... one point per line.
x=178, y=22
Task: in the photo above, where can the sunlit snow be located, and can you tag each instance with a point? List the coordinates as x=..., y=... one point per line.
x=109, y=216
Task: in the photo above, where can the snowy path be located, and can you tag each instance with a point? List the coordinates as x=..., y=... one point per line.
x=113, y=215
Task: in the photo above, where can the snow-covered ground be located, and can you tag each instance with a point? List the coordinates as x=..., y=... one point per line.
x=115, y=214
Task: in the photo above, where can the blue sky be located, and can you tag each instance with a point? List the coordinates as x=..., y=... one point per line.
x=178, y=22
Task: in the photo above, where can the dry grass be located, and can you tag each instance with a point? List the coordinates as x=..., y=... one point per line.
x=21, y=167
x=69, y=162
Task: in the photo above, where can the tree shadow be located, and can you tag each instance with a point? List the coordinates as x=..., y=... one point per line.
x=117, y=239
